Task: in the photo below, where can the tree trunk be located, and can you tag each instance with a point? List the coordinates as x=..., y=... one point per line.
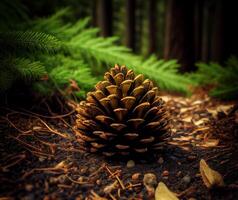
x=230, y=29
x=217, y=32
x=104, y=17
x=179, y=36
x=198, y=29
x=130, y=24
x=152, y=26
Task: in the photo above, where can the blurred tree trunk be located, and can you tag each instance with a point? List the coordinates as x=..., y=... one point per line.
x=104, y=16
x=179, y=36
x=207, y=27
x=94, y=12
x=198, y=29
x=140, y=5
x=152, y=26
x=230, y=29
x=217, y=32
x=130, y=24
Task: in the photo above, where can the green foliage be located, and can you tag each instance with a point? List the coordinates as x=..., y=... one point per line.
x=165, y=73
x=29, y=41
x=83, y=43
x=224, y=79
x=73, y=52
x=16, y=55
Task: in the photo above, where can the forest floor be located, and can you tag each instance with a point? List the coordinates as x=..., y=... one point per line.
x=40, y=158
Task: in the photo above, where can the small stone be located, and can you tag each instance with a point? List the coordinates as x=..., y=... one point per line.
x=165, y=173
x=186, y=179
x=161, y=160
x=130, y=164
x=53, y=180
x=179, y=173
x=135, y=176
x=80, y=179
x=29, y=187
x=84, y=170
x=191, y=198
x=98, y=182
x=41, y=159
x=150, y=180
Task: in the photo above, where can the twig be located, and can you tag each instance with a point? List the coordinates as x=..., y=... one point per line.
x=112, y=197
x=77, y=182
x=118, y=179
x=98, y=170
x=18, y=158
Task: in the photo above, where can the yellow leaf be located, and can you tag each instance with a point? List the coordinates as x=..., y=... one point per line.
x=210, y=177
x=163, y=193
x=210, y=143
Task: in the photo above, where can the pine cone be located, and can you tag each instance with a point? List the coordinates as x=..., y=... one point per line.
x=124, y=115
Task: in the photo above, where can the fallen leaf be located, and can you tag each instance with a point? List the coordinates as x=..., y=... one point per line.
x=210, y=177
x=224, y=108
x=220, y=108
x=61, y=165
x=187, y=119
x=201, y=121
x=210, y=143
x=163, y=193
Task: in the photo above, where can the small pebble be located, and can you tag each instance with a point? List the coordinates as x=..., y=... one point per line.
x=179, y=173
x=80, y=179
x=165, y=173
x=29, y=187
x=98, y=182
x=186, y=179
x=135, y=176
x=161, y=160
x=41, y=159
x=84, y=170
x=130, y=164
x=150, y=180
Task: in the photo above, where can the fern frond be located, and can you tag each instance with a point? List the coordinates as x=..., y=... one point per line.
x=62, y=69
x=28, y=40
x=224, y=79
x=27, y=69
x=165, y=73
x=225, y=92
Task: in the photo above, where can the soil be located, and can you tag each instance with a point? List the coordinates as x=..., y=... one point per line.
x=40, y=158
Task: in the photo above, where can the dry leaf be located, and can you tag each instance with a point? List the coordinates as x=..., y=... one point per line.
x=187, y=119
x=163, y=193
x=200, y=121
x=220, y=108
x=224, y=108
x=210, y=177
x=61, y=165
x=210, y=143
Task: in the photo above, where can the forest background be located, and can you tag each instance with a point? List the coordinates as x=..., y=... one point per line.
x=65, y=47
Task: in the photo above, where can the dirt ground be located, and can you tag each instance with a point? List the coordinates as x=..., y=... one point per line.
x=40, y=158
